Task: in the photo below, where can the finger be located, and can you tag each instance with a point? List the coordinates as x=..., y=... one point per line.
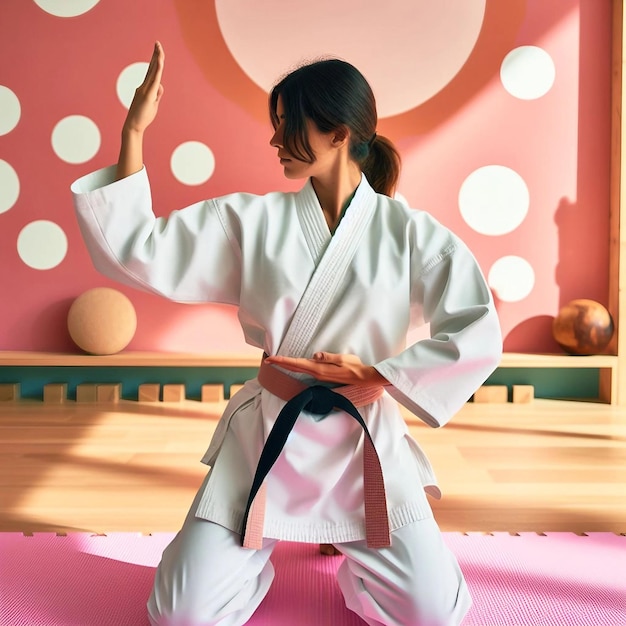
x=160, y=62
x=155, y=67
x=151, y=65
x=328, y=357
x=303, y=366
x=286, y=361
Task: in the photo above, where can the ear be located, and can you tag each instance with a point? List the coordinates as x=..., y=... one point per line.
x=340, y=136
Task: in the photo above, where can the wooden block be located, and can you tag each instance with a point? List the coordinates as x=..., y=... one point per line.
x=523, y=394
x=86, y=393
x=109, y=392
x=9, y=392
x=173, y=393
x=212, y=393
x=149, y=392
x=492, y=394
x=55, y=393
x=234, y=389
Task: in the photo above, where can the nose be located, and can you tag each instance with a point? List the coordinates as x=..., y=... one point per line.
x=277, y=138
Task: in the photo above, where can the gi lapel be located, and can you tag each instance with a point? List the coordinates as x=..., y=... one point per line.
x=332, y=257
x=312, y=222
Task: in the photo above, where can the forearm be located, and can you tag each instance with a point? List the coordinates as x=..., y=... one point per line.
x=130, y=159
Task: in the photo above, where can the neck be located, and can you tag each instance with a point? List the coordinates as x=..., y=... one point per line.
x=335, y=192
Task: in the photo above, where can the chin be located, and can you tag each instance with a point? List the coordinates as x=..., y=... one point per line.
x=293, y=175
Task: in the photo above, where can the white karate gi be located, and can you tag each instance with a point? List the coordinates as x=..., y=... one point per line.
x=299, y=290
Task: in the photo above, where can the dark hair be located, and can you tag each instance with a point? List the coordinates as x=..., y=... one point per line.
x=334, y=94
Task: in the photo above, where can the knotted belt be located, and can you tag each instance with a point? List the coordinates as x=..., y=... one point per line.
x=318, y=400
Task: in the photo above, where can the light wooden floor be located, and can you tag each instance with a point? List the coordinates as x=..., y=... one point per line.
x=548, y=466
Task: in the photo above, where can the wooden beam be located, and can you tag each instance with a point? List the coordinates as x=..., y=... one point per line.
x=617, y=242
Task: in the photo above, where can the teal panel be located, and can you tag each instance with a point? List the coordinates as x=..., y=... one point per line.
x=548, y=383
x=555, y=383
x=33, y=378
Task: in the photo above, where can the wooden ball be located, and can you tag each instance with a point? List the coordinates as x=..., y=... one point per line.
x=102, y=321
x=583, y=327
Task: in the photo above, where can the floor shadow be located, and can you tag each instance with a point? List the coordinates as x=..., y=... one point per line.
x=37, y=438
x=508, y=430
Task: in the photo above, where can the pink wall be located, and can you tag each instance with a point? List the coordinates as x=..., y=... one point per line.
x=452, y=110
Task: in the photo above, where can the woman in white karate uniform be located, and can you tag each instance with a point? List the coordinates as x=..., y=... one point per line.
x=328, y=281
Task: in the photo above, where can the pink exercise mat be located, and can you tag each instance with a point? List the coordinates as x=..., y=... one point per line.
x=558, y=579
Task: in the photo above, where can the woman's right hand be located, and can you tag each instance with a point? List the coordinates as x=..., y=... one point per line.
x=141, y=113
x=145, y=104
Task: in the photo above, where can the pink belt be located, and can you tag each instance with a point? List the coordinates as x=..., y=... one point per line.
x=318, y=400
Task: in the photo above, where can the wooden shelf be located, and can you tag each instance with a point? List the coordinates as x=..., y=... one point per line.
x=252, y=359
x=517, y=359
x=606, y=364
x=129, y=359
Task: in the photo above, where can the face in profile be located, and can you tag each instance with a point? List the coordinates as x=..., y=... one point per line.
x=323, y=146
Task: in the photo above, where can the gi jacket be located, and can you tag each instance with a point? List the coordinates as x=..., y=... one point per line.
x=300, y=289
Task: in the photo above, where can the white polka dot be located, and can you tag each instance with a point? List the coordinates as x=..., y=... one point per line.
x=42, y=245
x=192, y=163
x=9, y=186
x=511, y=278
x=65, y=8
x=494, y=200
x=10, y=110
x=76, y=139
x=129, y=79
x=527, y=72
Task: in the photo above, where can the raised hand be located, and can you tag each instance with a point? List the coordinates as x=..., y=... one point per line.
x=141, y=113
x=347, y=369
x=145, y=104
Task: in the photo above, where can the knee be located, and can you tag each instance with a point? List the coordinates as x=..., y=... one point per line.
x=186, y=610
x=177, y=608
x=187, y=603
x=181, y=598
x=434, y=609
x=383, y=603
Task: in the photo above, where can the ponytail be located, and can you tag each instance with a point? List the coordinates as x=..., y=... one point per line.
x=382, y=166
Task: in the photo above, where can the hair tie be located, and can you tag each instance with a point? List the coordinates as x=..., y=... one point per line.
x=371, y=141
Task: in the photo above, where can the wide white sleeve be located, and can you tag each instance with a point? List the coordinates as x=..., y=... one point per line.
x=187, y=257
x=434, y=377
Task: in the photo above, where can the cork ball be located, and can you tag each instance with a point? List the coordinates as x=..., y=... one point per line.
x=102, y=321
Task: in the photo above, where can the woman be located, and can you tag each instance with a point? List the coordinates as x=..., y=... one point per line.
x=328, y=282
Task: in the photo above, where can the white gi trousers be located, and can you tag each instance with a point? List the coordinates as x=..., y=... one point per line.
x=206, y=578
